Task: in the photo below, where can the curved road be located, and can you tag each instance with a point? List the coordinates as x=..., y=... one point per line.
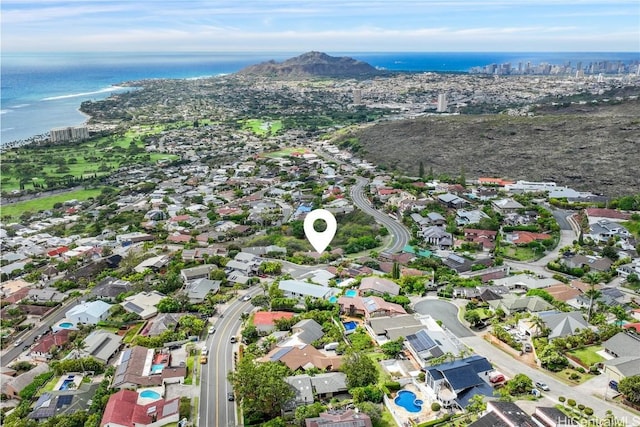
x=215, y=409
x=399, y=233
x=445, y=312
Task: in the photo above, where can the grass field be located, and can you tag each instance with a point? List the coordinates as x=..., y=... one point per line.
x=588, y=355
x=131, y=333
x=518, y=253
x=14, y=210
x=263, y=127
x=286, y=152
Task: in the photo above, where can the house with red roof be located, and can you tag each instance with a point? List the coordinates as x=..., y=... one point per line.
x=524, y=237
x=41, y=351
x=57, y=251
x=486, y=238
x=123, y=410
x=264, y=321
x=596, y=214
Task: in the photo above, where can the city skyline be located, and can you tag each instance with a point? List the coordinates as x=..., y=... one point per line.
x=454, y=25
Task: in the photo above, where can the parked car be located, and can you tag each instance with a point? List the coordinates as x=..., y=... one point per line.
x=527, y=347
x=496, y=377
x=233, y=339
x=542, y=386
x=203, y=360
x=212, y=329
x=613, y=385
x=230, y=396
x=204, y=352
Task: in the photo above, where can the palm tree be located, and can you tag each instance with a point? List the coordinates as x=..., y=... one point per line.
x=79, y=345
x=592, y=279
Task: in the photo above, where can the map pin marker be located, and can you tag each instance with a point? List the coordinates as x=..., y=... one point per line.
x=320, y=239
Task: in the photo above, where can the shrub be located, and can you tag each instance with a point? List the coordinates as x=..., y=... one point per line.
x=571, y=403
x=588, y=411
x=435, y=406
x=574, y=376
x=562, y=399
x=392, y=385
x=421, y=377
x=580, y=369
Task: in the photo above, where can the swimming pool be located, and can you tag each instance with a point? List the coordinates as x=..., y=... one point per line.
x=65, y=384
x=407, y=399
x=350, y=326
x=350, y=293
x=333, y=299
x=157, y=369
x=150, y=394
x=66, y=325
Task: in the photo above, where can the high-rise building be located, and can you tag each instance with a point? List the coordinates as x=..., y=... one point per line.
x=442, y=103
x=357, y=96
x=69, y=134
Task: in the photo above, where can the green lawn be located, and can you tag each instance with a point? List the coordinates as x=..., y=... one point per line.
x=633, y=227
x=14, y=210
x=518, y=253
x=50, y=385
x=263, y=127
x=189, y=378
x=131, y=333
x=588, y=355
x=565, y=373
x=285, y=152
x=386, y=420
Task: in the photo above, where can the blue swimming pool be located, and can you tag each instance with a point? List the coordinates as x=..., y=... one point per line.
x=150, y=394
x=65, y=384
x=333, y=299
x=350, y=326
x=350, y=293
x=407, y=399
x=157, y=369
x=66, y=325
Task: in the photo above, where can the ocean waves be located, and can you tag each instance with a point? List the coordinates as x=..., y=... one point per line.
x=84, y=94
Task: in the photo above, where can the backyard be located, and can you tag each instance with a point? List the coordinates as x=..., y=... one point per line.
x=588, y=356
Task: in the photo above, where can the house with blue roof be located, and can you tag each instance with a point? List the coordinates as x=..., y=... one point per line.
x=455, y=383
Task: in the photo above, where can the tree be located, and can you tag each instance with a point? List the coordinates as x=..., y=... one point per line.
x=472, y=316
x=360, y=370
x=609, y=252
x=261, y=387
x=421, y=170
x=476, y=404
x=168, y=305
x=630, y=387
x=395, y=272
x=311, y=410
x=393, y=348
x=371, y=409
x=520, y=384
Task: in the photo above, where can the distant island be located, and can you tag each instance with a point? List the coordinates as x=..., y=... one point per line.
x=312, y=64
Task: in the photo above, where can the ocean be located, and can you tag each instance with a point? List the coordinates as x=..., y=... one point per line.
x=43, y=91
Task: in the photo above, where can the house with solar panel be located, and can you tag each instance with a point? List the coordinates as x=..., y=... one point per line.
x=453, y=384
x=63, y=402
x=426, y=344
x=143, y=304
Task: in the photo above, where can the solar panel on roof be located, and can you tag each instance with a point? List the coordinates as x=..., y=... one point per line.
x=126, y=355
x=64, y=400
x=280, y=353
x=456, y=258
x=132, y=307
x=420, y=341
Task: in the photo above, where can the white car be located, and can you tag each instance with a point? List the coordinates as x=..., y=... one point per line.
x=212, y=329
x=542, y=386
x=247, y=297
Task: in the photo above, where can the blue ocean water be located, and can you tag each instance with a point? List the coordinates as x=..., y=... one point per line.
x=43, y=91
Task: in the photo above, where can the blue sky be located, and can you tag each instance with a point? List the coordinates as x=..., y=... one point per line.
x=327, y=25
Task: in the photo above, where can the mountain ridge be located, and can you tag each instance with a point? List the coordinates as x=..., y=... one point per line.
x=312, y=64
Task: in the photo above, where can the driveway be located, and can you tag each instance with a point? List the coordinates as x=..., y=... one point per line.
x=446, y=312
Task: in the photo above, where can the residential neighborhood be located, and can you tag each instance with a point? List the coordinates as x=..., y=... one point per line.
x=186, y=293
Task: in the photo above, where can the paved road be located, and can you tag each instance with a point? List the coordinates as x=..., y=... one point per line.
x=215, y=409
x=445, y=312
x=511, y=366
x=399, y=233
x=27, y=338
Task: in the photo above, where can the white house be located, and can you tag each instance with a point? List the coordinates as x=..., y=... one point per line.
x=89, y=312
